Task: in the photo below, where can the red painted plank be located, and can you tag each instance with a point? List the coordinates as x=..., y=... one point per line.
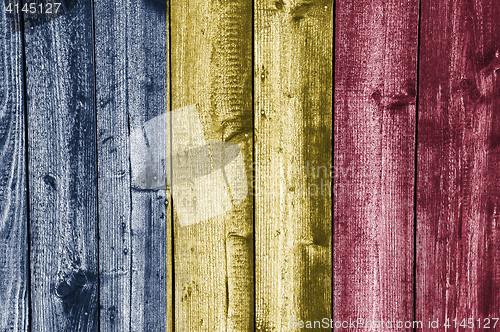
x=458, y=200
x=375, y=68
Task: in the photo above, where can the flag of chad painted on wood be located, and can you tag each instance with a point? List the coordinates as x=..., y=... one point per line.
x=205, y=178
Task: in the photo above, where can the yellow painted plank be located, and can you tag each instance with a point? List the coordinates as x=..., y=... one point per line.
x=293, y=158
x=211, y=75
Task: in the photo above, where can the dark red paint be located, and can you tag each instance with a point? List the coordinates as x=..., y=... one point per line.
x=458, y=164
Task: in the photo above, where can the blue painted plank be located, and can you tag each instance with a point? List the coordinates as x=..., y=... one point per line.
x=114, y=165
x=131, y=67
x=62, y=172
x=13, y=217
x=148, y=99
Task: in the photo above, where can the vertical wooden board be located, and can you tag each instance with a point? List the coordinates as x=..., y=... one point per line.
x=375, y=88
x=131, y=53
x=211, y=70
x=293, y=159
x=150, y=225
x=111, y=19
x=147, y=82
x=458, y=163
x=62, y=172
x=13, y=204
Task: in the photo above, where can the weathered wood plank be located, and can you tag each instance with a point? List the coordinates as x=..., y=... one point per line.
x=458, y=163
x=111, y=19
x=62, y=172
x=293, y=129
x=131, y=56
x=211, y=73
x=375, y=90
x=147, y=70
x=14, y=262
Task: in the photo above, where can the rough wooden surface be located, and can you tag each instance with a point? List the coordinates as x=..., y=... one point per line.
x=458, y=163
x=14, y=282
x=114, y=165
x=375, y=92
x=211, y=49
x=62, y=173
x=147, y=99
x=293, y=130
x=250, y=84
x=131, y=65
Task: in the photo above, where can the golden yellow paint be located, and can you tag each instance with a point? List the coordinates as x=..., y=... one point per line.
x=293, y=126
x=212, y=69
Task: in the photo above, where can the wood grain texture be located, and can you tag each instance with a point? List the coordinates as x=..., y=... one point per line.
x=147, y=69
x=211, y=51
x=458, y=158
x=293, y=130
x=115, y=269
x=131, y=53
x=62, y=173
x=375, y=88
x=14, y=285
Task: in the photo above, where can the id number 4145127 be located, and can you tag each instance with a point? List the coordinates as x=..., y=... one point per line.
x=485, y=323
x=34, y=8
